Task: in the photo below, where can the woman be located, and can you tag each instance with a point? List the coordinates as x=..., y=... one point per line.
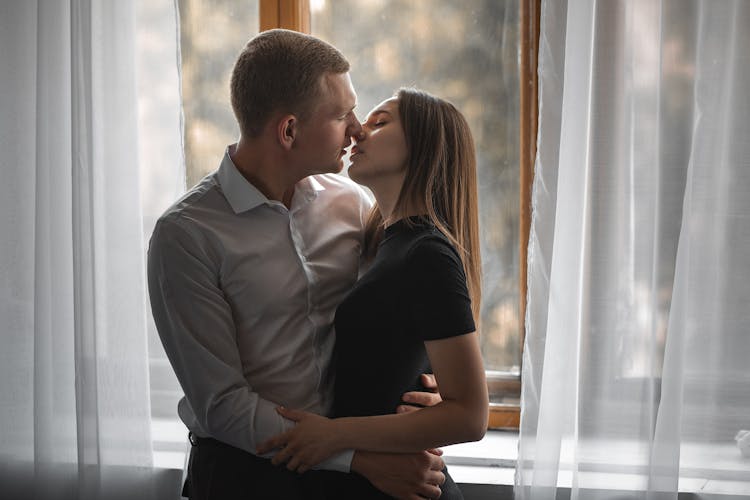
x=417, y=305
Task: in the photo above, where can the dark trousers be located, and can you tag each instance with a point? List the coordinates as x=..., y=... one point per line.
x=218, y=471
x=330, y=485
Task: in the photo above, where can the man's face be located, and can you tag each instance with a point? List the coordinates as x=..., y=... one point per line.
x=327, y=132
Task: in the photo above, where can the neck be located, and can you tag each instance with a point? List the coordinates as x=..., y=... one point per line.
x=263, y=170
x=386, y=196
x=387, y=199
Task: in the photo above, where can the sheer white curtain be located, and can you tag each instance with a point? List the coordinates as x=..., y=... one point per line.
x=636, y=373
x=74, y=386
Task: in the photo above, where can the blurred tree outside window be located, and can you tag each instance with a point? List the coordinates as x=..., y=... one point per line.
x=212, y=34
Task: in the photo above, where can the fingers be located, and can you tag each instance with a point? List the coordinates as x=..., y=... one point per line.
x=293, y=461
x=435, y=477
x=430, y=490
x=436, y=463
x=289, y=414
x=406, y=408
x=429, y=382
x=430, y=486
x=435, y=451
x=422, y=398
x=282, y=456
x=277, y=441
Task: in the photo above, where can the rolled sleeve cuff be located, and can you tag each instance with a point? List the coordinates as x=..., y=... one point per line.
x=340, y=463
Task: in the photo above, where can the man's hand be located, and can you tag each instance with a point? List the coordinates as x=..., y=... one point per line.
x=421, y=398
x=410, y=476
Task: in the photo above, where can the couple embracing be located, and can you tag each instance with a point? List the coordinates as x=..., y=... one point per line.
x=309, y=327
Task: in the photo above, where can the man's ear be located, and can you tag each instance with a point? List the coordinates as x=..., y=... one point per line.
x=286, y=131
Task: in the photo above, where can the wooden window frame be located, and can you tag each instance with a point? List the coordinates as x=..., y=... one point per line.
x=288, y=14
x=295, y=15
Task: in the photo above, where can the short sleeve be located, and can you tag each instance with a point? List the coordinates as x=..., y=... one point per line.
x=438, y=298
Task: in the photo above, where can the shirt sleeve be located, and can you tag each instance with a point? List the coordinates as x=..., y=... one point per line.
x=196, y=327
x=440, y=302
x=341, y=462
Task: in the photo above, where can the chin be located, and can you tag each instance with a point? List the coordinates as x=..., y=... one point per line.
x=352, y=173
x=359, y=179
x=331, y=169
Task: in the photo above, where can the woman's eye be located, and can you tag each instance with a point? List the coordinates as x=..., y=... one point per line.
x=378, y=124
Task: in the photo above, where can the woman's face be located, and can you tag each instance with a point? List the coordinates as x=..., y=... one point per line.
x=379, y=155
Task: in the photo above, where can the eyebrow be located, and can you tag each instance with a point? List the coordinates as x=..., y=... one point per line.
x=345, y=111
x=380, y=111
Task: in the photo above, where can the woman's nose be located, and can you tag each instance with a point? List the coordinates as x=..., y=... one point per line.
x=360, y=133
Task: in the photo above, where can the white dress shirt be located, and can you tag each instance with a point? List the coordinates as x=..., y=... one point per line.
x=243, y=293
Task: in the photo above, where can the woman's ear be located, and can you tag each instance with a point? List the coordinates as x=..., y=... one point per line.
x=286, y=131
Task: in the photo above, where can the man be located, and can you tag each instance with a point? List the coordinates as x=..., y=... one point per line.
x=247, y=269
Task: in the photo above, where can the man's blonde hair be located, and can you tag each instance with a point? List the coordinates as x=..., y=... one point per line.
x=280, y=71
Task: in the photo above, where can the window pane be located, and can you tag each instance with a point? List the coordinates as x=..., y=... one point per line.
x=212, y=34
x=466, y=52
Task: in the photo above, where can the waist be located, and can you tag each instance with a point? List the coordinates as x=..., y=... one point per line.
x=196, y=440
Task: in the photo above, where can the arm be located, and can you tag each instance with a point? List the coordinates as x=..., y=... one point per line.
x=461, y=415
x=196, y=327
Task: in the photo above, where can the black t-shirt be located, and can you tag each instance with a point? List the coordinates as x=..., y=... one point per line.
x=414, y=291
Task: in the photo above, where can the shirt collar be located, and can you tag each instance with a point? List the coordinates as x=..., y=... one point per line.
x=309, y=187
x=243, y=196
x=239, y=192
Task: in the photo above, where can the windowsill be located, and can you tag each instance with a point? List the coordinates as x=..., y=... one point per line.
x=492, y=461
x=170, y=443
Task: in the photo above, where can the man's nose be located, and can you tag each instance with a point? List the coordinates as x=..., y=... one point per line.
x=356, y=131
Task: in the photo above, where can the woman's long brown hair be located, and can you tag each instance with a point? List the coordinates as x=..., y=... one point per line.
x=441, y=175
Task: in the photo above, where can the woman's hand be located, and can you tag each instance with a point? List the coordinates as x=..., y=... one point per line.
x=311, y=441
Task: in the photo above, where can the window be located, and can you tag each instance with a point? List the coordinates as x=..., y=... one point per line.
x=471, y=53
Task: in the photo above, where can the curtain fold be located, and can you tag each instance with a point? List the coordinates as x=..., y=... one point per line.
x=74, y=397
x=636, y=374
